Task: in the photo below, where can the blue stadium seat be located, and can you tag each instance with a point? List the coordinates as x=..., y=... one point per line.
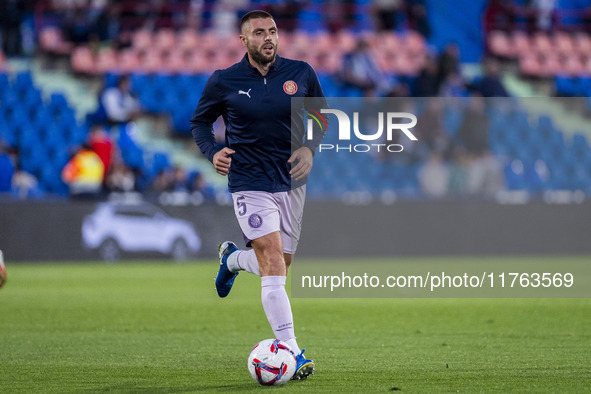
x=6, y=172
x=566, y=86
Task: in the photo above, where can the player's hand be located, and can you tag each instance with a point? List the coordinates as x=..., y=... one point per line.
x=222, y=161
x=303, y=158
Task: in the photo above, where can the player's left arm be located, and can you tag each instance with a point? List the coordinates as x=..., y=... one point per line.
x=303, y=159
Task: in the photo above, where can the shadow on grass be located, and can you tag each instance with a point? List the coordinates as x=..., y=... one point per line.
x=164, y=390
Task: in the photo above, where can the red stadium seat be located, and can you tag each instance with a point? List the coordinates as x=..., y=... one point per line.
x=542, y=43
x=165, y=39
x=415, y=43
x=499, y=44
x=346, y=41
x=322, y=42
x=572, y=65
x=142, y=40
x=188, y=39
x=195, y=61
x=151, y=61
x=582, y=43
x=52, y=40
x=529, y=65
x=384, y=59
x=106, y=61
x=563, y=43
x=551, y=65
x=390, y=42
x=587, y=67
x=174, y=61
x=82, y=61
x=128, y=61
x=521, y=43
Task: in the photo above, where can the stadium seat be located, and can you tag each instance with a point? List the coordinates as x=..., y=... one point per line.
x=188, y=40
x=106, y=61
x=151, y=61
x=142, y=40
x=164, y=39
x=499, y=44
x=563, y=43
x=550, y=65
x=582, y=43
x=572, y=65
x=4, y=82
x=521, y=43
x=82, y=61
x=530, y=65
x=51, y=40
x=542, y=44
x=128, y=61
x=6, y=172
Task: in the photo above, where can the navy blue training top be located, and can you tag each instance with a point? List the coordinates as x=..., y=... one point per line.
x=257, y=113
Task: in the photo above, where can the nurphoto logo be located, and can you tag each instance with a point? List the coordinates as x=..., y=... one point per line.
x=395, y=122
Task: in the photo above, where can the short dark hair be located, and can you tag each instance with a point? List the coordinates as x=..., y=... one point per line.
x=256, y=14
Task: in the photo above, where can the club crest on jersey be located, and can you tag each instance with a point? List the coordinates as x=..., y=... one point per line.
x=290, y=87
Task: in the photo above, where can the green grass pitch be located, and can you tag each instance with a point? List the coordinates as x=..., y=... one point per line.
x=160, y=328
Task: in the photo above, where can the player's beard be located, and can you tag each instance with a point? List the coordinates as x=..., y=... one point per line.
x=258, y=57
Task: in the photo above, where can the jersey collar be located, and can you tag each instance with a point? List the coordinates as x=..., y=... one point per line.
x=246, y=64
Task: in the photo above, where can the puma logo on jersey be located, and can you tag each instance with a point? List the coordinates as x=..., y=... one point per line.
x=246, y=93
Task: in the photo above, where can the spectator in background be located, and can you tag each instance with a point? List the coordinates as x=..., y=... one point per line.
x=338, y=14
x=459, y=167
x=179, y=180
x=434, y=176
x=417, y=17
x=120, y=178
x=499, y=15
x=84, y=173
x=473, y=132
x=427, y=84
x=162, y=182
x=430, y=129
x=284, y=11
x=386, y=13
x=197, y=184
x=77, y=27
x=101, y=143
x=24, y=185
x=361, y=71
x=11, y=16
x=119, y=103
x=485, y=175
x=449, y=61
x=453, y=86
x=490, y=85
x=542, y=14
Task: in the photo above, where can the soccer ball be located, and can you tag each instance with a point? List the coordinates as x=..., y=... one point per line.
x=2, y=270
x=271, y=362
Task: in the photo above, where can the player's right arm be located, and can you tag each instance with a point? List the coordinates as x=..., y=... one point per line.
x=222, y=161
x=209, y=108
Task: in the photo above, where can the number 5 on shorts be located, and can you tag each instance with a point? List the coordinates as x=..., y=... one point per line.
x=241, y=205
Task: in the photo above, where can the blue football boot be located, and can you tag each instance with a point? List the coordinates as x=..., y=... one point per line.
x=225, y=278
x=304, y=367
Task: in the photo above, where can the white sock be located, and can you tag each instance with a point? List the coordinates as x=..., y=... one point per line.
x=245, y=260
x=293, y=344
x=278, y=309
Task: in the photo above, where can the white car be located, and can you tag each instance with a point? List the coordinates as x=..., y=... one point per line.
x=138, y=227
